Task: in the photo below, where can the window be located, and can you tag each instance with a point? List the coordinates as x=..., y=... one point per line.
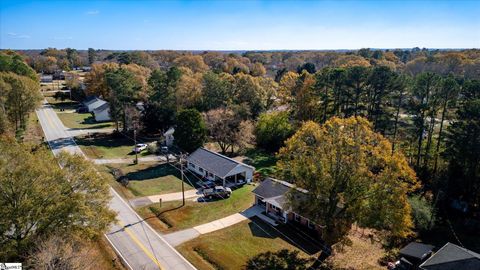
x=192, y=165
x=297, y=218
x=200, y=169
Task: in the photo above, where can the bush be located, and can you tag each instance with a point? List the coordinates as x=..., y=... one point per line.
x=423, y=212
x=152, y=148
x=272, y=130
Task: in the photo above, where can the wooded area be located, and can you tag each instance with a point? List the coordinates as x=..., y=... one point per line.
x=422, y=105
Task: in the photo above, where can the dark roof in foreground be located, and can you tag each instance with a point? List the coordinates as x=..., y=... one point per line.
x=452, y=257
x=215, y=163
x=416, y=250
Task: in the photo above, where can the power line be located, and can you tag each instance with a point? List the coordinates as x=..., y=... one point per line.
x=313, y=241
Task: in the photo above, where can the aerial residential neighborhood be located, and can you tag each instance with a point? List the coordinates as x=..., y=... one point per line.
x=252, y=135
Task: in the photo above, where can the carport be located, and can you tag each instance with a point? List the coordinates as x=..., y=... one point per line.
x=216, y=167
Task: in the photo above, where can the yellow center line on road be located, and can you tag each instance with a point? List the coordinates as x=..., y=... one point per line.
x=50, y=122
x=144, y=249
x=130, y=234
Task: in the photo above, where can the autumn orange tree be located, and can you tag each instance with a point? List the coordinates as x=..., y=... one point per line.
x=351, y=176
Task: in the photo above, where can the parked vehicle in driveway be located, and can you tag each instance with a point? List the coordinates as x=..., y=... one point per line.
x=82, y=109
x=139, y=147
x=207, y=184
x=217, y=192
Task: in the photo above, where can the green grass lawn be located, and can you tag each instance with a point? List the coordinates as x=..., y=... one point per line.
x=82, y=121
x=231, y=247
x=264, y=163
x=196, y=213
x=151, y=179
x=107, y=146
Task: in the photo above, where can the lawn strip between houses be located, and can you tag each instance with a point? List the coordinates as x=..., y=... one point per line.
x=173, y=217
x=82, y=121
x=152, y=178
x=107, y=146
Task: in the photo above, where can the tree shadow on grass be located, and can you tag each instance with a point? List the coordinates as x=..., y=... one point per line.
x=157, y=215
x=66, y=105
x=153, y=172
x=104, y=140
x=297, y=237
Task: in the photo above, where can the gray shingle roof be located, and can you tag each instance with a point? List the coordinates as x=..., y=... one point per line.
x=90, y=100
x=452, y=257
x=102, y=107
x=215, y=163
x=415, y=250
x=269, y=188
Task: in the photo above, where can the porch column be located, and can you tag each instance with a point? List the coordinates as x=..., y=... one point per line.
x=236, y=179
x=223, y=181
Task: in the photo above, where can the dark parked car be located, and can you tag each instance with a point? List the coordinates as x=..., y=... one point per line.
x=217, y=192
x=206, y=184
x=82, y=109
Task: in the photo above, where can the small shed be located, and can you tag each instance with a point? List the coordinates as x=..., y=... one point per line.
x=102, y=113
x=168, y=135
x=416, y=253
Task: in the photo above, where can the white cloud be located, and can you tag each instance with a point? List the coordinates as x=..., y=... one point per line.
x=16, y=35
x=92, y=12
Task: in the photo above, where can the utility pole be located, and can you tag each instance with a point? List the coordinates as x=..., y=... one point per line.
x=183, y=181
x=135, y=141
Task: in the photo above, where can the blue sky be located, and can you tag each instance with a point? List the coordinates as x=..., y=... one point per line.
x=239, y=25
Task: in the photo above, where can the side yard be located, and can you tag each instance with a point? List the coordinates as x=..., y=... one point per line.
x=363, y=253
x=264, y=163
x=107, y=146
x=173, y=217
x=151, y=178
x=230, y=248
x=82, y=121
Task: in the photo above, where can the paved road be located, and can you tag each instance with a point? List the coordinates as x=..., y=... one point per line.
x=132, y=238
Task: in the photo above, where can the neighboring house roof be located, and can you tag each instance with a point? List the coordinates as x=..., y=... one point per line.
x=90, y=100
x=102, y=107
x=215, y=163
x=452, y=257
x=417, y=251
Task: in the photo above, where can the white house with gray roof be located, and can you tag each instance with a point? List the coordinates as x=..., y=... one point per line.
x=216, y=167
x=102, y=113
x=93, y=102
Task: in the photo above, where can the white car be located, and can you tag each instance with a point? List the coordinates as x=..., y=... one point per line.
x=139, y=147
